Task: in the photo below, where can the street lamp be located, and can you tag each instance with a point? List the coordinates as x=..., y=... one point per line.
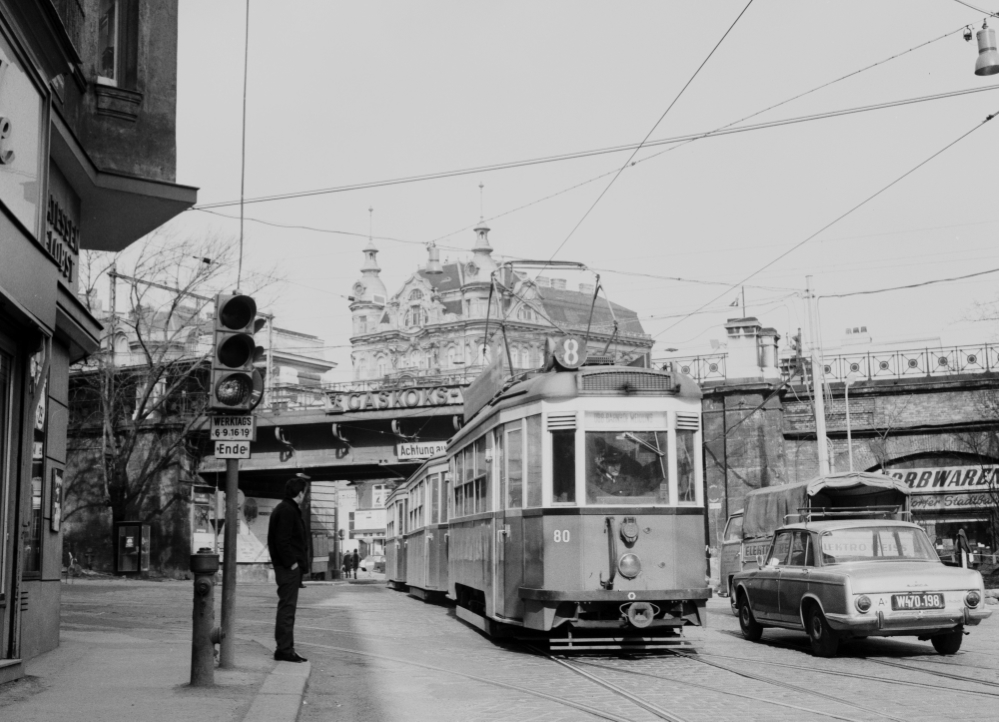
x=851, y=378
x=988, y=58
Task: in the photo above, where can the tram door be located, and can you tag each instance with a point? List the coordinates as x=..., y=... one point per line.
x=510, y=537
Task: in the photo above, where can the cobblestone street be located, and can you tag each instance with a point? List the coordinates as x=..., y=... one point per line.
x=381, y=655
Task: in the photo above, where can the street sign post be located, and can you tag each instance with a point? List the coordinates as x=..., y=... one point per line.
x=232, y=449
x=234, y=428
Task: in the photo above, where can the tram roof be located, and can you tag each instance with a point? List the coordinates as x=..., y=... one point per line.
x=561, y=385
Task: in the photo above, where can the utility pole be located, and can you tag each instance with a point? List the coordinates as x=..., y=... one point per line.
x=817, y=382
x=227, y=651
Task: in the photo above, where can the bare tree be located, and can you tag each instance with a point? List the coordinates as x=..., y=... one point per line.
x=982, y=445
x=888, y=418
x=136, y=405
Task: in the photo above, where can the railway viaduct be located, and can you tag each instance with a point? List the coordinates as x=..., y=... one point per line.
x=936, y=408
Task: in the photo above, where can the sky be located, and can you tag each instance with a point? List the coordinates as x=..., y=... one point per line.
x=342, y=94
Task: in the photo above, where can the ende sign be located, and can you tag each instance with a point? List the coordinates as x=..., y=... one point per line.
x=407, y=398
x=419, y=450
x=948, y=478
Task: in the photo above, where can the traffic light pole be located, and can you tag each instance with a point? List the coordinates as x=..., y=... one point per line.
x=227, y=654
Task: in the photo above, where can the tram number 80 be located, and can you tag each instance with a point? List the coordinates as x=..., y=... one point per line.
x=561, y=535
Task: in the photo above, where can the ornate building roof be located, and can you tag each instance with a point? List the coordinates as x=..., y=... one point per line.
x=435, y=324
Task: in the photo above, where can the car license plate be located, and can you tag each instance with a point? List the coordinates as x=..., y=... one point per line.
x=930, y=600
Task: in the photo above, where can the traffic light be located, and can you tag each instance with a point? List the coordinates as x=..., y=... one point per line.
x=236, y=384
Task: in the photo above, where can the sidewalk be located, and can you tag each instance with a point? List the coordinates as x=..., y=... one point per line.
x=134, y=673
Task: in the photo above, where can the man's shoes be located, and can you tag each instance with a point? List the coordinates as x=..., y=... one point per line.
x=289, y=657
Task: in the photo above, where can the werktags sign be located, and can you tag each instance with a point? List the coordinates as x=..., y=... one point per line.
x=234, y=427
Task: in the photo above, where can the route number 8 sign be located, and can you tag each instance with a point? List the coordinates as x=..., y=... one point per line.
x=569, y=351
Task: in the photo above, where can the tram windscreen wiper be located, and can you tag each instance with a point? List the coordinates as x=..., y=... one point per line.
x=631, y=437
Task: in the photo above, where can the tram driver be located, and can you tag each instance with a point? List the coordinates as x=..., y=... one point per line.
x=615, y=471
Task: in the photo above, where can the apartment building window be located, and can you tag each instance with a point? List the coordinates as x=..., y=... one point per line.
x=117, y=42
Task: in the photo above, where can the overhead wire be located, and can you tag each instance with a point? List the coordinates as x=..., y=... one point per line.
x=910, y=285
x=836, y=220
x=977, y=9
x=647, y=136
x=726, y=129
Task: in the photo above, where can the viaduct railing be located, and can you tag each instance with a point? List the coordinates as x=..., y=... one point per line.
x=936, y=362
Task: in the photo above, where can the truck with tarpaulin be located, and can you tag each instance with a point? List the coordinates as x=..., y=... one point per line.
x=846, y=495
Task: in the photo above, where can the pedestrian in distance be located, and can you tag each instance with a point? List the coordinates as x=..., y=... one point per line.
x=346, y=565
x=963, y=548
x=355, y=562
x=288, y=546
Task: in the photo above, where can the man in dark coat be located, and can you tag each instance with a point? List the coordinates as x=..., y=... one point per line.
x=288, y=545
x=355, y=562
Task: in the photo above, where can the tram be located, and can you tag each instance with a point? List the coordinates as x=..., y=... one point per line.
x=572, y=506
x=416, y=532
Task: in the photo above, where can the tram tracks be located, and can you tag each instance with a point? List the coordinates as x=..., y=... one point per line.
x=865, y=677
x=565, y=701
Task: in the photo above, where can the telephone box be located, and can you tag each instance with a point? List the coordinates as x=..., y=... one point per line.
x=131, y=547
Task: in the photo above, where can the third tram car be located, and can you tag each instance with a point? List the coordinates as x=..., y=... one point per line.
x=573, y=506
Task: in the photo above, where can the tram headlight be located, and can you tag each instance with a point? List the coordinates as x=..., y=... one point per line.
x=863, y=603
x=973, y=599
x=629, y=565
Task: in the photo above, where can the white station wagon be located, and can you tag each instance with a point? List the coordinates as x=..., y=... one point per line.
x=858, y=578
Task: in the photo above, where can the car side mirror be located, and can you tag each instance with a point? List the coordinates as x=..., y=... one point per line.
x=759, y=561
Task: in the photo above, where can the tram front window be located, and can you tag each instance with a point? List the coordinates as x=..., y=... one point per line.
x=626, y=467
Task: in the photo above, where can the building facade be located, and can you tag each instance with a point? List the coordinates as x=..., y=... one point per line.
x=436, y=323
x=87, y=161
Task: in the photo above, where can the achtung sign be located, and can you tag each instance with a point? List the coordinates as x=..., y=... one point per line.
x=419, y=450
x=407, y=398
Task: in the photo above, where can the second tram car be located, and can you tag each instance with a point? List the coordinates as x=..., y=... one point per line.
x=573, y=505
x=416, y=531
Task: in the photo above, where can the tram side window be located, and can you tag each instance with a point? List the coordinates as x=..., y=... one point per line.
x=685, y=465
x=416, y=511
x=435, y=505
x=564, y=467
x=481, y=474
x=514, y=467
x=458, y=476
x=534, y=460
x=501, y=464
x=469, y=490
x=445, y=496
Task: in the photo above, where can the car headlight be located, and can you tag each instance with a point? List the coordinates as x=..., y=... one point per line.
x=863, y=603
x=629, y=565
x=973, y=598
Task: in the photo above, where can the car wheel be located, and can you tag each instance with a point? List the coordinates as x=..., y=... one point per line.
x=824, y=640
x=751, y=629
x=948, y=643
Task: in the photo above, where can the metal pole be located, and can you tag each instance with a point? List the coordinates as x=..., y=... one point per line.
x=227, y=654
x=849, y=439
x=817, y=385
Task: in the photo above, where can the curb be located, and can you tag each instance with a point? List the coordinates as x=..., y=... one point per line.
x=280, y=697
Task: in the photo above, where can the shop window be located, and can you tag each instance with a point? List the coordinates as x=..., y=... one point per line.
x=117, y=43
x=39, y=390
